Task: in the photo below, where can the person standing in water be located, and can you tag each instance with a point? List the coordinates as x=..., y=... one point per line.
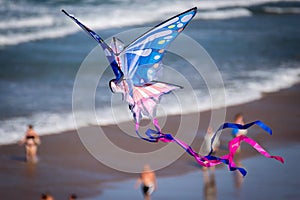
x=31, y=141
x=147, y=180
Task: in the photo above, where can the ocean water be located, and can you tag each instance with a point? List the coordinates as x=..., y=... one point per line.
x=254, y=44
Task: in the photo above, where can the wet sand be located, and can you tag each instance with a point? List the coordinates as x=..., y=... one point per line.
x=266, y=179
x=65, y=166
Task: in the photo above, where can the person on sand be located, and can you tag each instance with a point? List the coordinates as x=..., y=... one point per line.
x=147, y=180
x=206, y=146
x=46, y=197
x=31, y=141
x=72, y=197
x=238, y=119
x=207, y=141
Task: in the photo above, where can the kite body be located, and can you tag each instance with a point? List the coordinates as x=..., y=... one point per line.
x=136, y=66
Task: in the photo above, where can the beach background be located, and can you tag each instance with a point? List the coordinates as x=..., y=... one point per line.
x=254, y=44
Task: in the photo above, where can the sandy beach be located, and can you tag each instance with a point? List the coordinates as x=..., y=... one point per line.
x=65, y=166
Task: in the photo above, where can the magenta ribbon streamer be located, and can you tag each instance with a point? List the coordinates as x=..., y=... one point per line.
x=234, y=144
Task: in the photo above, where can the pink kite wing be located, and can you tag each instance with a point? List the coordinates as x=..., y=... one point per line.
x=148, y=96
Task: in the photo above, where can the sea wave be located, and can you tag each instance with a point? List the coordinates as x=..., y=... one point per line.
x=25, y=22
x=261, y=82
x=224, y=14
x=221, y=4
x=281, y=10
x=17, y=38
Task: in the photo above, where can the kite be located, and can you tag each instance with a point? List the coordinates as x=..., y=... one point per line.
x=136, y=67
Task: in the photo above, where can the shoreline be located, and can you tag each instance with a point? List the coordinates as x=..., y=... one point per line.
x=204, y=112
x=64, y=160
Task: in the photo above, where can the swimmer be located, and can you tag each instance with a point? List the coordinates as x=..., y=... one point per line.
x=31, y=141
x=147, y=180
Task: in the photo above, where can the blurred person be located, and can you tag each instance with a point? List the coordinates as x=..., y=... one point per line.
x=238, y=178
x=238, y=119
x=72, y=197
x=207, y=140
x=46, y=197
x=31, y=141
x=209, y=181
x=206, y=145
x=147, y=180
x=209, y=184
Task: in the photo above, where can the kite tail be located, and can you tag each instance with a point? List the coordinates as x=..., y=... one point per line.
x=236, y=142
x=205, y=161
x=149, y=139
x=209, y=160
x=155, y=123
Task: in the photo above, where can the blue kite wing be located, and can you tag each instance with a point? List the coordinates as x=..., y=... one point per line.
x=108, y=51
x=142, y=58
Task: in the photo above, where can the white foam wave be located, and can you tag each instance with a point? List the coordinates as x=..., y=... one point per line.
x=17, y=38
x=224, y=14
x=12, y=130
x=27, y=23
x=281, y=10
x=213, y=5
x=262, y=82
x=50, y=24
x=274, y=80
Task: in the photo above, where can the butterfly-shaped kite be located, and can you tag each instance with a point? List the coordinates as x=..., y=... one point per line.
x=136, y=65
